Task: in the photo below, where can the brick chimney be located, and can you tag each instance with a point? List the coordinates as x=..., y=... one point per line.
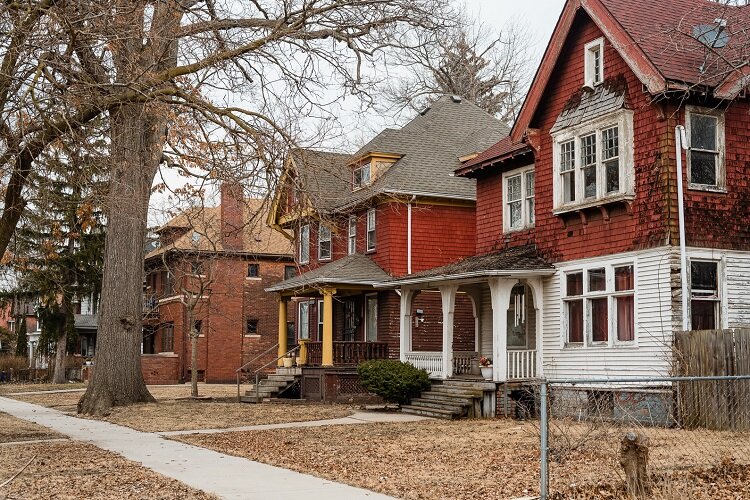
x=232, y=223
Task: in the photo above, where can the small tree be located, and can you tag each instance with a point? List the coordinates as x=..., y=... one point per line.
x=394, y=381
x=22, y=341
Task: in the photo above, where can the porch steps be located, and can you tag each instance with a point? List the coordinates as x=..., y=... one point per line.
x=269, y=388
x=450, y=399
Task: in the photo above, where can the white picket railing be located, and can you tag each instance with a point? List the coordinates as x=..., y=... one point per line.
x=522, y=364
x=430, y=361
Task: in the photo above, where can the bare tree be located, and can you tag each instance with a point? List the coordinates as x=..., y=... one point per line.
x=492, y=69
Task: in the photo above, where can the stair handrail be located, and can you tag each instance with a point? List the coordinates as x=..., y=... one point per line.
x=257, y=372
x=238, y=371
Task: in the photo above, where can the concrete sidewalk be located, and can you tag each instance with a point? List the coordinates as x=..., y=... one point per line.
x=354, y=419
x=224, y=475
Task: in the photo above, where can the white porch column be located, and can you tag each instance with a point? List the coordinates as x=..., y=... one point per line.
x=407, y=297
x=537, y=287
x=476, y=302
x=500, y=293
x=448, y=294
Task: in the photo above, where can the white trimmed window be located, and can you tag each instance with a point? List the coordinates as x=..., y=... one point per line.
x=304, y=244
x=594, y=62
x=304, y=320
x=705, y=128
x=352, y=239
x=371, y=230
x=599, y=305
x=361, y=176
x=705, y=296
x=594, y=162
x=324, y=243
x=518, y=190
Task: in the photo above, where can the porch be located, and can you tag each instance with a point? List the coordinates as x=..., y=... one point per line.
x=520, y=364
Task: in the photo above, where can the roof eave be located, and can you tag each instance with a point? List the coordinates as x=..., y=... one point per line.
x=321, y=283
x=491, y=273
x=468, y=170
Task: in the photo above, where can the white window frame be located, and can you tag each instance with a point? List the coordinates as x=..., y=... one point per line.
x=363, y=182
x=371, y=239
x=623, y=120
x=720, y=144
x=351, y=242
x=304, y=244
x=720, y=259
x=324, y=230
x=368, y=298
x=321, y=318
x=303, y=334
x=592, y=77
x=527, y=218
x=610, y=294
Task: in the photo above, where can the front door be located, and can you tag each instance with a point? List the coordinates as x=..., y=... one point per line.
x=371, y=318
x=518, y=332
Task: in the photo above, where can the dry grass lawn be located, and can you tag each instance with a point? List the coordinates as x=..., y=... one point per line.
x=14, y=429
x=70, y=470
x=470, y=459
x=6, y=389
x=172, y=413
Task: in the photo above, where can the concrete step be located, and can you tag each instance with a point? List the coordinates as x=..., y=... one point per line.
x=430, y=412
x=295, y=370
x=447, y=398
x=262, y=392
x=274, y=383
x=442, y=405
x=470, y=384
x=459, y=391
x=280, y=377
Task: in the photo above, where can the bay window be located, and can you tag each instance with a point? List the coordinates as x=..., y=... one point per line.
x=593, y=162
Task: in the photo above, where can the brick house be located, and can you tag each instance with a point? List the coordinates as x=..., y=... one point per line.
x=359, y=220
x=208, y=272
x=577, y=272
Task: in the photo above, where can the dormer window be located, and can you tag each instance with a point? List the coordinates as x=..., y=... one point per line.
x=594, y=62
x=362, y=176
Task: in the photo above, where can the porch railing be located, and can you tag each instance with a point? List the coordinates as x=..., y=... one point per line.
x=150, y=305
x=430, y=361
x=521, y=364
x=462, y=361
x=347, y=353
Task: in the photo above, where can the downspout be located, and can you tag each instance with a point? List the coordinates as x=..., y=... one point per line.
x=408, y=235
x=680, y=144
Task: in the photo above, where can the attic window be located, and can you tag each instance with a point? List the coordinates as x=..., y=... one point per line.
x=594, y=62
x=361, y=176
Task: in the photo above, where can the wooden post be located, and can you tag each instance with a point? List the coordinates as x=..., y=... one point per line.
x=302, y=360
x=283, y=348
x=328, y=326
x=634, y=459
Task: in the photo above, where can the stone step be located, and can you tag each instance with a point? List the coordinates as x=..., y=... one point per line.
x=430, y=412
x=460, y=391
x=447, y=398
x=280, y=377
x=471, y=384
x=443, y=405
x=262, y=392
x=273, y=383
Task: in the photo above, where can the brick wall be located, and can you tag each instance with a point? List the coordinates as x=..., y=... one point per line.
x=160, y=369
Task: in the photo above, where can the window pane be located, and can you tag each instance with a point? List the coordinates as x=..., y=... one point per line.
x=514, y=188
x=371, y=323
x=704, y=277
x=529, y=184
x=703, y=314
x=575, y=284
x=530, y=207
x=588, y=150
x=703, y=167
x=703, y=132
x=597, y=280
x=569, y=187
x=625, y=307
x=613, y=176
x=589, y=182
x=610, y=143
x=514, y=211
x=575, y=321
x=599, y=319
x=624, y=278
x=567, y=156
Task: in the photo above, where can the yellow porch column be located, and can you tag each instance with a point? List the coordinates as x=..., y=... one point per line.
x=283, y=348
x=328, y=326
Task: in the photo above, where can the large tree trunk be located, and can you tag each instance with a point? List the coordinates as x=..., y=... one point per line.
x=193, y=364
x=137, y=141
x=60, y=352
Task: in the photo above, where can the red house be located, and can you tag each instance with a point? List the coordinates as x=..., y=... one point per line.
x=207, y=275
x=358, y=221
x=578, y=268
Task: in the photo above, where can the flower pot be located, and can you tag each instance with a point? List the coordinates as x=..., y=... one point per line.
x=288, y=362
x=487, y=372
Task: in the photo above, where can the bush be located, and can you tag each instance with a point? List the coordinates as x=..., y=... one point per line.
x=394, y=381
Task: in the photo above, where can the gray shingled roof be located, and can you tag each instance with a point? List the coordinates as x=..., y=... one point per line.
x=355, y=269
x=324, y=176
x=511, y=260
x=588, y=105
x=430, y=145
x=86, y=321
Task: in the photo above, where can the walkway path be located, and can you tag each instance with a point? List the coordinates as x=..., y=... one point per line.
x=224, y=475
x=356, y=418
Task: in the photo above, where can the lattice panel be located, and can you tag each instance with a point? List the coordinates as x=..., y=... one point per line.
x=350, y=385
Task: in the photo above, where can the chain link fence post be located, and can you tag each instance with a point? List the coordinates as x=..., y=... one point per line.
x=544, y=472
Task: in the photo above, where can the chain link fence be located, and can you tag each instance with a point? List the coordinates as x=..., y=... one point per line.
x=681, y=437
